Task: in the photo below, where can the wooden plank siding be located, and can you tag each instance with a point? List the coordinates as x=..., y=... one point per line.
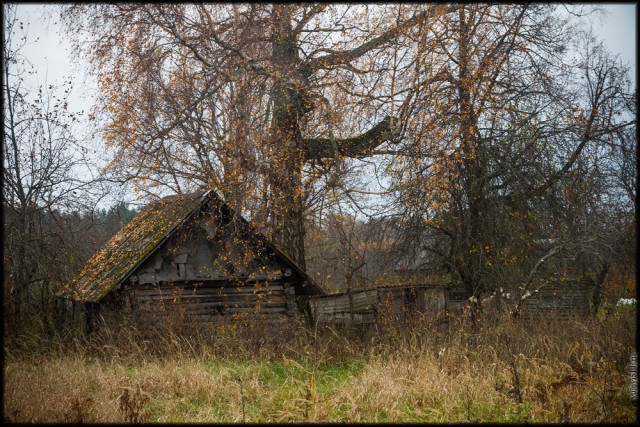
x=561, y=301
x=207, y=302
x=400, y=304
x=395, y=304
x=356, y=307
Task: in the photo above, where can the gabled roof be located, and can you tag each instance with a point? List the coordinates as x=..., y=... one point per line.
x=137, y=240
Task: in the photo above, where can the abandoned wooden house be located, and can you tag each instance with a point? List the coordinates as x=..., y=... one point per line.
x=394, y=303
x=188, y=257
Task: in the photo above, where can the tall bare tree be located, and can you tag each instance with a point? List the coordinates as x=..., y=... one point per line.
x=251, y=98
x=44, y=172
x=505, y=135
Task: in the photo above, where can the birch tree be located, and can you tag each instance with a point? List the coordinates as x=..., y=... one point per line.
x=507, y=138
x=45, y=171
x=250, y=98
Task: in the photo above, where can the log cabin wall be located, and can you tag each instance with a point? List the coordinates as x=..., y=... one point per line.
x=561, y=301
x=188, y=256
x=116, y=310
x=165, y=304
x=207, y=271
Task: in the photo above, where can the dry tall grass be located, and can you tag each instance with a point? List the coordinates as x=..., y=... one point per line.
x=492, y=371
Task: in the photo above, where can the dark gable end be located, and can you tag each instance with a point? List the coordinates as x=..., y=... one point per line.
x=141, y=237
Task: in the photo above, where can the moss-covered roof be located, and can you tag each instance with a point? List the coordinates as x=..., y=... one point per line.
x=131, y=245
x=137, y=240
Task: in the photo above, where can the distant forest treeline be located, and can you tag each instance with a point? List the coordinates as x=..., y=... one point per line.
x=56, y=245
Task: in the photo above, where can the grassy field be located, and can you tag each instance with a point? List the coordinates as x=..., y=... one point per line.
x=493, y=372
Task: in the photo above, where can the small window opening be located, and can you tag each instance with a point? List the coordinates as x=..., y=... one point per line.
x=229, y=268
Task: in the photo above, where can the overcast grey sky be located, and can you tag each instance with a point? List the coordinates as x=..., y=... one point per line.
x=52, y=59
x=618, y=31
x=51, y=56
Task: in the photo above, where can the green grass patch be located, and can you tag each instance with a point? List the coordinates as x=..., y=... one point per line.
x=560, y=368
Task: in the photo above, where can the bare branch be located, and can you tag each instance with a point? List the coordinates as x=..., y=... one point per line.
x=335, y=58
x=356, y=146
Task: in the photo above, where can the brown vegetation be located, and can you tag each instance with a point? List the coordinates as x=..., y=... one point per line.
x=502, y=371
x=488, y=146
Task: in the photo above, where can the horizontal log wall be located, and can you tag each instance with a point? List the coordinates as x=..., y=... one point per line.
x=149, y=305
x=116, y=310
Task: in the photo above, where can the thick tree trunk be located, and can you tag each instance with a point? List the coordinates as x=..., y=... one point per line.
x=289, y=109
x=291, y=102
x=288, y=208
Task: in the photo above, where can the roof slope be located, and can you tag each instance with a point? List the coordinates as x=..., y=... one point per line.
x=137, y=240
x=131, y=245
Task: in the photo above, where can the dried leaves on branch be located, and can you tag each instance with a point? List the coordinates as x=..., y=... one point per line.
x=490, y=129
